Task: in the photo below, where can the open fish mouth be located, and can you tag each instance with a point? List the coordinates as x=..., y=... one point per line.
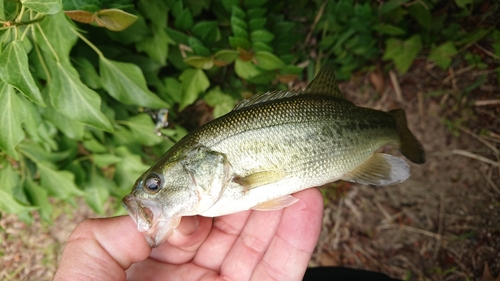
x=155, y=227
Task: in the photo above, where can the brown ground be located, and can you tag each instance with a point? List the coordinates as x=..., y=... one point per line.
x=441, y=224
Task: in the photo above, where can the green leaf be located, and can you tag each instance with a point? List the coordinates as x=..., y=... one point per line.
x=143, y=129
x=155, y=46
x=199, y=62
x=261, y=35
x=245, y=69
x=36, y=153
x=184, y=20
x=125, y=82
x=221, y=102
x=268, y=61
x=60, y=184
x=390, y=6
x=14, y=70
x=225, y=57
x=39, y=197
x=463, y=3
x=257, y=23
x=173, y=88
x=97, y=192
x=261, y=47
x=236, y=42
x=43, y=6
x=105, y=160
x=74, y=99
x=127, y=170
x=389, y=29
x=70, y=128
x=403, y=52
x=87, y=72
x=194, y=82
x=114, y=19
x=9, y=179
x=442, y=54
x=12, y=114
x=57, y=30
x=206, y=31
x=421, y=15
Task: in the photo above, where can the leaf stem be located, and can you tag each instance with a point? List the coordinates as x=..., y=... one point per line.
x=20, y=15
x=48, y=42
x=99, y=53
x=40, y=57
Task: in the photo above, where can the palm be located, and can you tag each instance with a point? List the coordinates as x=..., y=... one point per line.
x=244, y=246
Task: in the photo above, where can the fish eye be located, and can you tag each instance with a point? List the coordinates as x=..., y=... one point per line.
x=152, y=183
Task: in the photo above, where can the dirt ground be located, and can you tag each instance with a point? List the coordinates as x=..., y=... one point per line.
x=443, y=223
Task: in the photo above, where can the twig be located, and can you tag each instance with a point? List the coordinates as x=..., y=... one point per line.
x=364, y=253
x=337, y=225
x=440, y=225
x=413, y=229
x=475, y=156
x=495, y=187
x=487, y=52
x=395, y=83
x=479, y=138
x=316, y=20
x=421, y=106
x=388, y=217
x=486, y=102
x=350, y=204
x=458, y=72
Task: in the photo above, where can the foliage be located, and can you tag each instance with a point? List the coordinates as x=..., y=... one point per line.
x=88, y=87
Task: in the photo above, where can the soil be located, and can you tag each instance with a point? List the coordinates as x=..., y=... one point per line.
x=443, y=223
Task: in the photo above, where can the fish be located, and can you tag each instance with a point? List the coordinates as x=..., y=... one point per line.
x=267, y=148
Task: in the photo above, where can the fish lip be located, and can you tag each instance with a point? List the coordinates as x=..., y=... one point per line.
x=149, y=220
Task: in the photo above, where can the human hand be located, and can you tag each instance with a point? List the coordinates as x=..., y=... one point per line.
x=250, y=245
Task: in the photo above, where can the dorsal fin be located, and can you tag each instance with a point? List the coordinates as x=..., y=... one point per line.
x=273, y=95
x=325, y=83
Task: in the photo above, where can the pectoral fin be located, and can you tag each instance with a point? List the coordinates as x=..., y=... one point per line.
x=276, y=204
x=380, y=169
x=258, y=179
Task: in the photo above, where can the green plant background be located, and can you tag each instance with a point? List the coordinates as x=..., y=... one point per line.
x=88, y=87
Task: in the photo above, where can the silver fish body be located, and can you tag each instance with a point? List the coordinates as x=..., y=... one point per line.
x=259, y=154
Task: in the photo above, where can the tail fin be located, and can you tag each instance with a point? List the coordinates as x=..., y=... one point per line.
x=409, y=145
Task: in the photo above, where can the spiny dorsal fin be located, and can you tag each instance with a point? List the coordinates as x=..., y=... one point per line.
x=325, y=83
x=274, y=95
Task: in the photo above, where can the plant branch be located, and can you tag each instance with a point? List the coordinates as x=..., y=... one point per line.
x=99, y=53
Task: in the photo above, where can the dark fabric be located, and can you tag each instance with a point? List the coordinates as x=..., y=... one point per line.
x=337, y=273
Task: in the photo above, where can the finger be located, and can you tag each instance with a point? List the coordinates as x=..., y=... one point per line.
x=251, y=244
x=225, y=231
x=101, y=249
x=184, y=242
x=289, y=252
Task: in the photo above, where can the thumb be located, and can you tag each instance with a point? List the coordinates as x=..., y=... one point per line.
x=101, y=249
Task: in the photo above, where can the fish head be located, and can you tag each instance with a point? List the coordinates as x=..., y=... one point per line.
x=159, y=199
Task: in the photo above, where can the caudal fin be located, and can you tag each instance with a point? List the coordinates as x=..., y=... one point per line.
x=409, y=145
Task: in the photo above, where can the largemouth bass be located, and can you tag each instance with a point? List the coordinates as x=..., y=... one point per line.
x=267, y=148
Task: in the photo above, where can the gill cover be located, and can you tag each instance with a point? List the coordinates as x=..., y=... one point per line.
x=210, y=173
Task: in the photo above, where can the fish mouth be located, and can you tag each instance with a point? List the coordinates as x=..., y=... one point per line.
x=150, y=220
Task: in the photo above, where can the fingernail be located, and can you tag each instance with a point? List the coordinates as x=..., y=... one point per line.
x=188, y=225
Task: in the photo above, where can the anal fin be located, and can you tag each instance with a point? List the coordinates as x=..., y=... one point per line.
x=380, y=169
x=258, y=179
x=276, y=204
